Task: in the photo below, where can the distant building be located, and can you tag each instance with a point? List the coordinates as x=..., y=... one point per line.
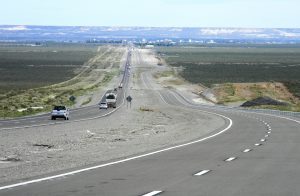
x=149, y=46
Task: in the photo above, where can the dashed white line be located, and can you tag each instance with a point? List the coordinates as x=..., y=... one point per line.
x=269, y=132
x=266, y=135
x=230, y=159
x=247, y=150
x=263, y=140
x=257, y=144
x=152, y=193
x=201, y=173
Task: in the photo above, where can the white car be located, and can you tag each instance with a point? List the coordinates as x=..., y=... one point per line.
x=60, y=112
x=103, y=105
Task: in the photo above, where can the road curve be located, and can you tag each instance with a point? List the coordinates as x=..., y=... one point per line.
x=253, y=154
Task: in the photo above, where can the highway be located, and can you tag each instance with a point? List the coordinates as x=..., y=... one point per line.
x=252, y=154
x=79, y=114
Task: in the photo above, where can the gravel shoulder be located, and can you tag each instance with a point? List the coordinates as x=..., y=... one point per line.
x=147, y=125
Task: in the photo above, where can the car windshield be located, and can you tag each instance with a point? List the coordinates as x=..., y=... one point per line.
x=59, y=108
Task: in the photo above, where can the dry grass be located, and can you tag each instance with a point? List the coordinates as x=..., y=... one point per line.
x=95, y=73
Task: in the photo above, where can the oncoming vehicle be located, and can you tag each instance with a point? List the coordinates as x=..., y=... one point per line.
x=60, y=112
x=103, y=105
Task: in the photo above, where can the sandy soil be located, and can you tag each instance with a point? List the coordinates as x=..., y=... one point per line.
x=237, y=93
x=41, y=150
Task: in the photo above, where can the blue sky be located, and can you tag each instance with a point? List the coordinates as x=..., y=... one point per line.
x=154, y=13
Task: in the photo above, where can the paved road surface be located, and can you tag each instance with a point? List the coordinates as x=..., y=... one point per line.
x=253, y=154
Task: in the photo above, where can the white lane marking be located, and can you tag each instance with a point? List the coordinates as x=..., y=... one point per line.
x=64, y=122
x=201, y=173
x=247, y=150
x=257, y=144
x=266, y=135
x=230, y=159
x=263, y=140
x=120, y=161
x=269, y=132
x=153, y=193
x=146, y=85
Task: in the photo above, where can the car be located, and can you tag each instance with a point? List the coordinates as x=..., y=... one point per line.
x=60, y=112
x=103, y=105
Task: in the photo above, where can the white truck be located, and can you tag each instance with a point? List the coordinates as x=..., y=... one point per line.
x=111, y=99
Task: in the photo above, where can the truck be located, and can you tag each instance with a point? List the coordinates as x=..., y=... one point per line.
x=111, y=99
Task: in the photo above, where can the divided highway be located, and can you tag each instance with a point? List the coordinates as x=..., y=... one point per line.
x=252, y=154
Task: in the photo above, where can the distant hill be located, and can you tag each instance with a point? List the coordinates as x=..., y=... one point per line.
x=84, y=33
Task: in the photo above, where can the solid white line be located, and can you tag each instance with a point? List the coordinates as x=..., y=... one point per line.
x=230, y=159
x=153, y=193
x=247, y=150
x=120, y=161
x=202, y=173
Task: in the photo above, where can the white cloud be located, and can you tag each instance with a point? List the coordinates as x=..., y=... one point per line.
x=15, y=28
x=224, y=31
x=288, y=34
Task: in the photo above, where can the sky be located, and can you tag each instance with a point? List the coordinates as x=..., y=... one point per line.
x=153, y=13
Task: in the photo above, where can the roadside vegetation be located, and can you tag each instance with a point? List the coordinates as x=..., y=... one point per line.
x=225, y=69
x=36, y=78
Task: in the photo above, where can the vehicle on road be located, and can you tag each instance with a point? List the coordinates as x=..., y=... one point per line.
x=111, y=99
x=60, y=112
x=103, y=105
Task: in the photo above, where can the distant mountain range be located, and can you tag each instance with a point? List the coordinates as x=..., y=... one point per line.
x=11, y=33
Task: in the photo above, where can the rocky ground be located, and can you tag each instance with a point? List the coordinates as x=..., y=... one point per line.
x=148, y=125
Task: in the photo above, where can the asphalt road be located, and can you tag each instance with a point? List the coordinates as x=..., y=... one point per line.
x=253, y=154
x=79, y=114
